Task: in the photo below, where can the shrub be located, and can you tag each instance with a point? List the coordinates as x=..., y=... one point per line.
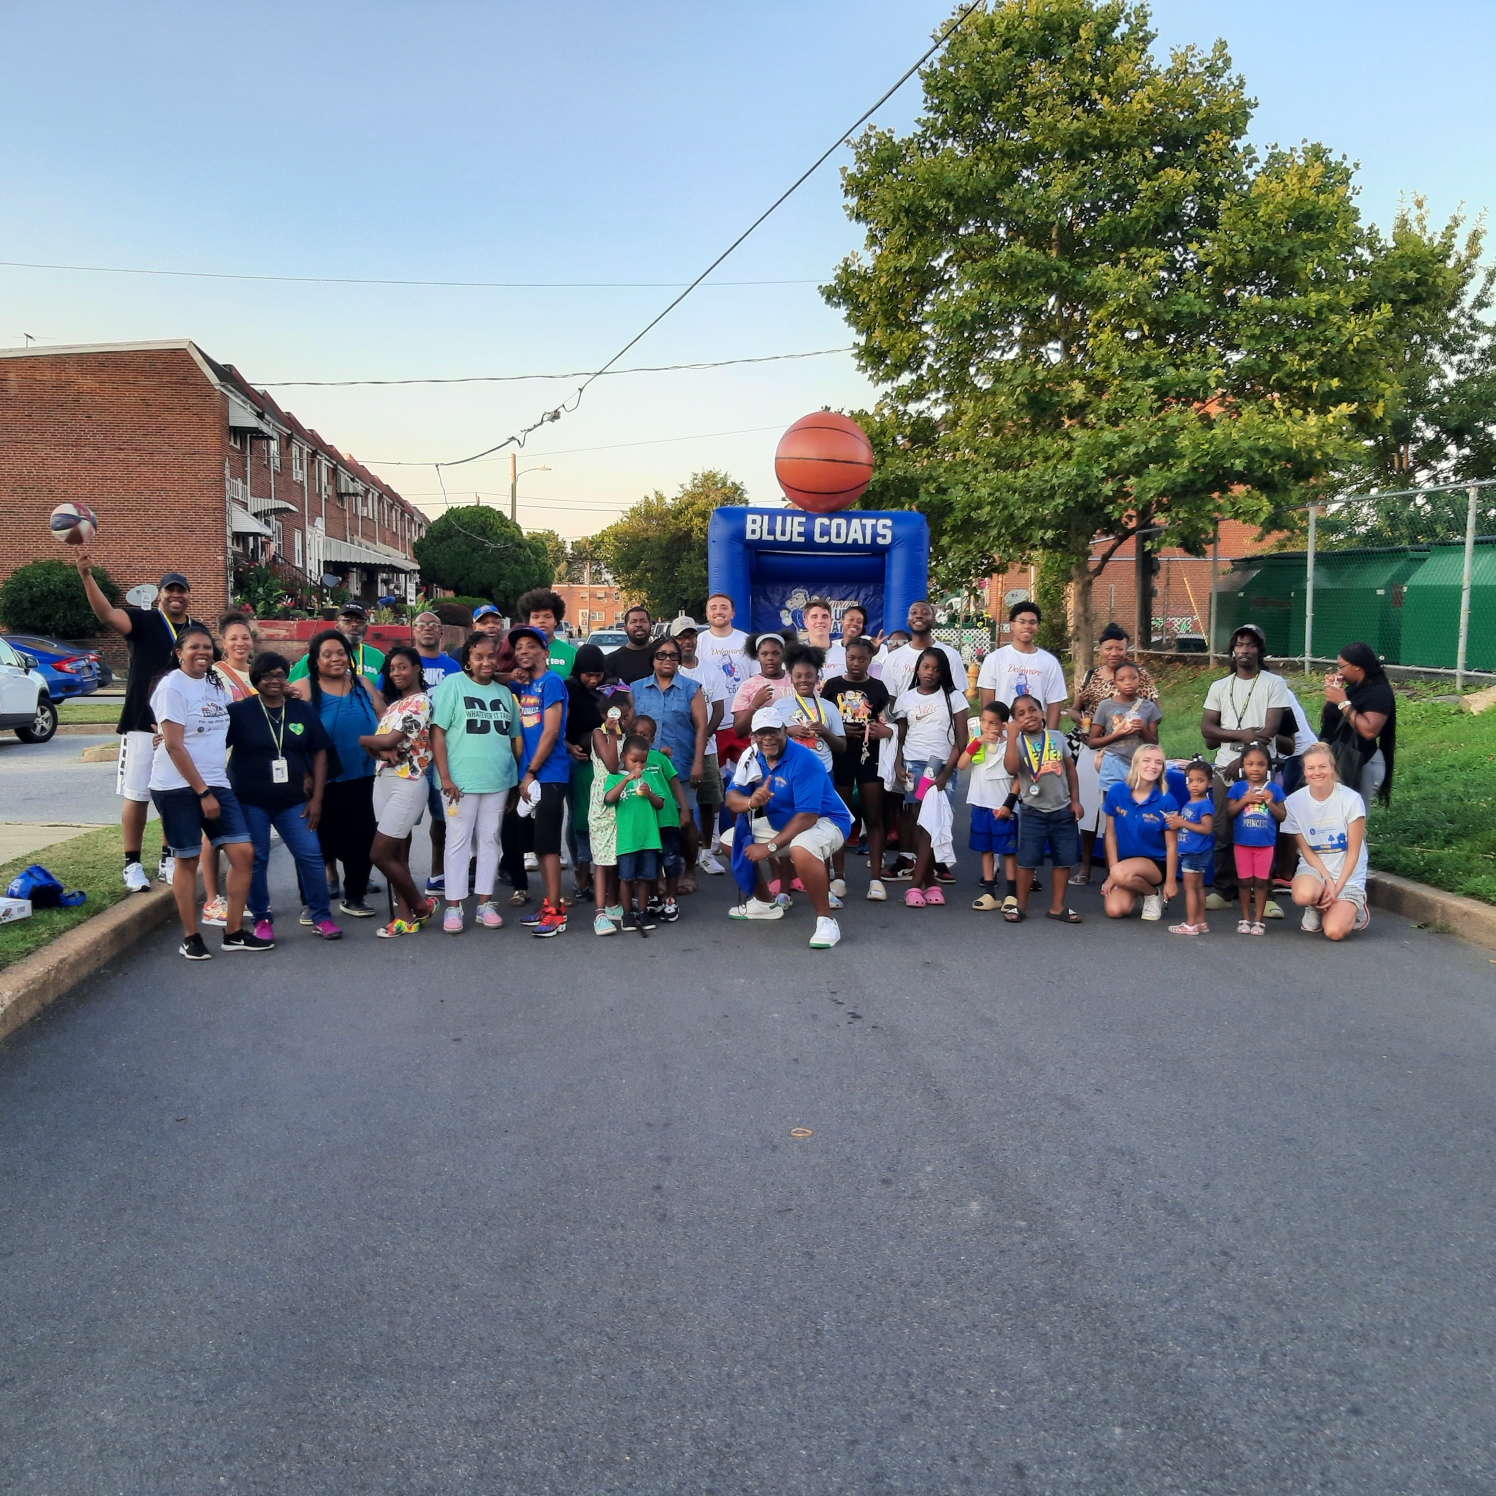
x=47, y=597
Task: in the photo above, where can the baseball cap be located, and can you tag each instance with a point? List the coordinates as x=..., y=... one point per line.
x=685, y=624
x=1253, y=629
x=354, y=610
x=483, y=610
x=524, y=631
x=175, y=579
x=765, y=717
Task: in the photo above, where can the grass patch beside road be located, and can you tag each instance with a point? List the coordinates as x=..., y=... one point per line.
x=92, y=862
x=101, y=709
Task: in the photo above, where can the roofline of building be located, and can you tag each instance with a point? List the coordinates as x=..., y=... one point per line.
x=184, y=345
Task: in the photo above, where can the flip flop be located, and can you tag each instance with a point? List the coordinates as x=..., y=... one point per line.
x=1065, y=916
x=1014, y=916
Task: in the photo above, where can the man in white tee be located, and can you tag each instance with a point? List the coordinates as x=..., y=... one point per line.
x=709, y=793
x=898, y=668
x=722, y=645
x=1023, y=669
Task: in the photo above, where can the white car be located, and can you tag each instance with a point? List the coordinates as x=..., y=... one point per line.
x=26, y=706
x=608, y=639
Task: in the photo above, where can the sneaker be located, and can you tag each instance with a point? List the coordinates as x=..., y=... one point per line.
x=1272, y=910
x=246, y=940
x=1153, y=906
x=649, y=920
x=194, y=949
x=615, y=913
x=709, y=864
x=1312, y=922
x=876, y=892
x=436, y=885
x=398, y=927
x=334, y=889
x=1363, y=918
x=900, y=872
x=553, y=924
x=519, y=898
x=756, y=909
x=166, y=870
x=356, y=909
x=265, y=929
x=656, y=905
x=375, y=886
x=487, y=915
x=827, y=934
x=839, y=888
x=215, y=912
x=582, y=894
x=784, y=901
x=452, y=919
x=305, y=917
x=1213, y=900
x=532, y=862
x=632, y=922
x=602, y=925
x=137, y=880
x=327, y=930
x=537, y=916
x=669, y=911
x=944, y=875
x=835, y=902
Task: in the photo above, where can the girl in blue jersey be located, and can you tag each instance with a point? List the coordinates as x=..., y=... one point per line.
x=1194, y=822
x=1141, y=847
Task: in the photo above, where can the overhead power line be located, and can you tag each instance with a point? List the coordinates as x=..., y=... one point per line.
x=659, y=441
x=519, y=438
x=721, y=363
x=356, y=280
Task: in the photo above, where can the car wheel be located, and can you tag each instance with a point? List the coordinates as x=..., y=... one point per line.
x=43, y=727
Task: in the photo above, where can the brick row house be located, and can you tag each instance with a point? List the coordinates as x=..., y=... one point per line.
x=190, y=469
x=590, y=607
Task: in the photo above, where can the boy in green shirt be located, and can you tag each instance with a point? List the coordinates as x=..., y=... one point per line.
x=672, y=863
x=638, y=793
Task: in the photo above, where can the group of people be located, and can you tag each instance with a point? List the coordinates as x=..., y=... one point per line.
x=779, y=754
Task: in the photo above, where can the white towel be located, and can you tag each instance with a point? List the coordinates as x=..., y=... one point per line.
x=936, y=818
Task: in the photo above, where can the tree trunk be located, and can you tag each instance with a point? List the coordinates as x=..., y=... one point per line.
x=1082, y=620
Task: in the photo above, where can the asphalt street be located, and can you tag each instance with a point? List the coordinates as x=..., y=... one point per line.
x=50, y=781
x=1079, y=1209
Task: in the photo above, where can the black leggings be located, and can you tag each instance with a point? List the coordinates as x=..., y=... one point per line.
x=517, y=836
x=347, y=832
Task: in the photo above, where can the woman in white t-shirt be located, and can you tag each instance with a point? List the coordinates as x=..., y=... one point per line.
x=1329, y=821
x=190, y=790
x=931, y=717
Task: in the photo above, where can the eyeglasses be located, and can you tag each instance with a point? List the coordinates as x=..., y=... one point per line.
x=667, y=654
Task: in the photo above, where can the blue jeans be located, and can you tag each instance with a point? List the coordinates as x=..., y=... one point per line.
x=301, y=842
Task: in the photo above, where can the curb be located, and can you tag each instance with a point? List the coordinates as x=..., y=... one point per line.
x=1468, y=918
x=28, y=986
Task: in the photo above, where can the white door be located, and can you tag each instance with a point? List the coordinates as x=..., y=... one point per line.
x=17, y=689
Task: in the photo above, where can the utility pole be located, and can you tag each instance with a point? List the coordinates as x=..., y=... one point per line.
x=1142, y=584
x=514, y=487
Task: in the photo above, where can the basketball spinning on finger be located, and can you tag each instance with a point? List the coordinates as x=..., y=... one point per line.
x=74, y=524
x=824, y=462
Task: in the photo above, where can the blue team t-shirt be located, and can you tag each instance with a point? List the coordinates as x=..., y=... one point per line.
x=534, y=699
x=1255, y=826
x=436, y=668
x=801, y=783
x=1140, y=826
x=1194, y=842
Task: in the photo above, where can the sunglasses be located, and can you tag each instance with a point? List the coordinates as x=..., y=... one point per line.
x=667, y=654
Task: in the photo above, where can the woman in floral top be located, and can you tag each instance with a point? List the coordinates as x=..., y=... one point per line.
x=402, y=744
x=1098, y=686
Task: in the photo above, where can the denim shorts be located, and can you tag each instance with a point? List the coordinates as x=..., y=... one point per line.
x=640, y=867
x=672, y=863
x=988, y=834
x=1197, y=862
x=183, y=826
x=1057, y=827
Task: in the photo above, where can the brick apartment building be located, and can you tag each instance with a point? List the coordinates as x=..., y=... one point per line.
x=592, y=606
x=190, y=469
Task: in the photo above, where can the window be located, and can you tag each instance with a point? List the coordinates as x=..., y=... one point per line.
x=236, y=441
x=280, y=536
x=275, y=454
x=296, y=534
x=298, y=462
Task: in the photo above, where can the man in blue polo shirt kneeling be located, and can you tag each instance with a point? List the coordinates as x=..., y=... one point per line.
x=793, y=809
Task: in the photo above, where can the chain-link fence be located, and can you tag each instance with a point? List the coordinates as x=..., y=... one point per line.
x=1412, y=574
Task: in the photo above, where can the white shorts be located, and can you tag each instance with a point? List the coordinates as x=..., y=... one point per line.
x=398, y=804
x=821, y=840
x=132, y=779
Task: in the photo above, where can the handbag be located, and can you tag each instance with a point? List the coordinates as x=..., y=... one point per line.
x=1345, y=747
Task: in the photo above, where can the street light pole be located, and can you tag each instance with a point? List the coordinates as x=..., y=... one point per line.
x=514, y=476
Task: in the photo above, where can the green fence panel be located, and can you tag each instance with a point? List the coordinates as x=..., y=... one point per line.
x=1431, y=608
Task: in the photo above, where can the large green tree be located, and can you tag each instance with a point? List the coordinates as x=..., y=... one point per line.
x=479, y=552
x=657, y=551
x=556, y=548
x=1092, y=307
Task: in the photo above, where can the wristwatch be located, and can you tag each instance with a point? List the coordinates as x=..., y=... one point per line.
x=1345, y=706
x=773, y=848
x=203, y=794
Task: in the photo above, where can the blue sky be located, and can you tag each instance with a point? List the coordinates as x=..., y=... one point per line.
x=590, y=142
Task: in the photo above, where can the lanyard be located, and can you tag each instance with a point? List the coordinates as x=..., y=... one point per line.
x=813, y=708
x=1047, y=753
x=275, y=737
x=170, y=627
x=1241, y=711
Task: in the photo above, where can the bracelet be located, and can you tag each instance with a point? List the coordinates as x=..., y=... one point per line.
x=1345, y=706
x=203, y=794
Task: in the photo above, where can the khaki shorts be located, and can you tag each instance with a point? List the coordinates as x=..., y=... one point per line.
x=398, y=804
x=821, y=840
x=1351, y=893
x=709, y=791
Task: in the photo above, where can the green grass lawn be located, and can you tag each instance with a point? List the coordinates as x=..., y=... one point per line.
x=1441, y=826
x=92, y=862
x=103, y=709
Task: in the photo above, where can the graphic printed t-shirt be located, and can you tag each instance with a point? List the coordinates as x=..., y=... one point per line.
x=860, y=703
x=1194, y=842
x=534, y=700
x=1326, y=826
x=410, y=715
x=797, y=712
x=151, y=640
x=1140, y=827
x=1010, y=673
x=1113, y=713
x=990, y=783
x=1041, y=761
x=563, y=655
x=660, y=763
x=482, y=728
x=751, y=687
x=436, y=668
x=367, y=662
x=257, y=735
x=1245, y=703
x=1255, y=826
x=932, y=729
x=201, y=707
x=711, y=680
x=727, y=654
x=638, y=821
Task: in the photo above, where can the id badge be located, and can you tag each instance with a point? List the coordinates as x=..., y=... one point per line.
x=280, y=772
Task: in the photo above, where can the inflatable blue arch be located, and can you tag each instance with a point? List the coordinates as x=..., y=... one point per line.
x=771, y=562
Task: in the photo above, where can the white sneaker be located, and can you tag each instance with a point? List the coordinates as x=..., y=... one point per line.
x=1272, y=910
x=876, y=891
x=709, y=864
x=827, y=934
x=532, y=862
x=1153, y=906
x=137, y=880
x=1312, y=922
x=166, y=869
x=755, y=909
x=839, y=887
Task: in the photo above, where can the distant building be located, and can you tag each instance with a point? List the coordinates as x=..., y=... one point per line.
x=592, y=607
x=191, y=469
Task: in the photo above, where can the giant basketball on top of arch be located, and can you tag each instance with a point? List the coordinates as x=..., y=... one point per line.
x=771, y=562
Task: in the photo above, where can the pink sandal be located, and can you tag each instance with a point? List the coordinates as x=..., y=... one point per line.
x=915, y=899
x=934, y=896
